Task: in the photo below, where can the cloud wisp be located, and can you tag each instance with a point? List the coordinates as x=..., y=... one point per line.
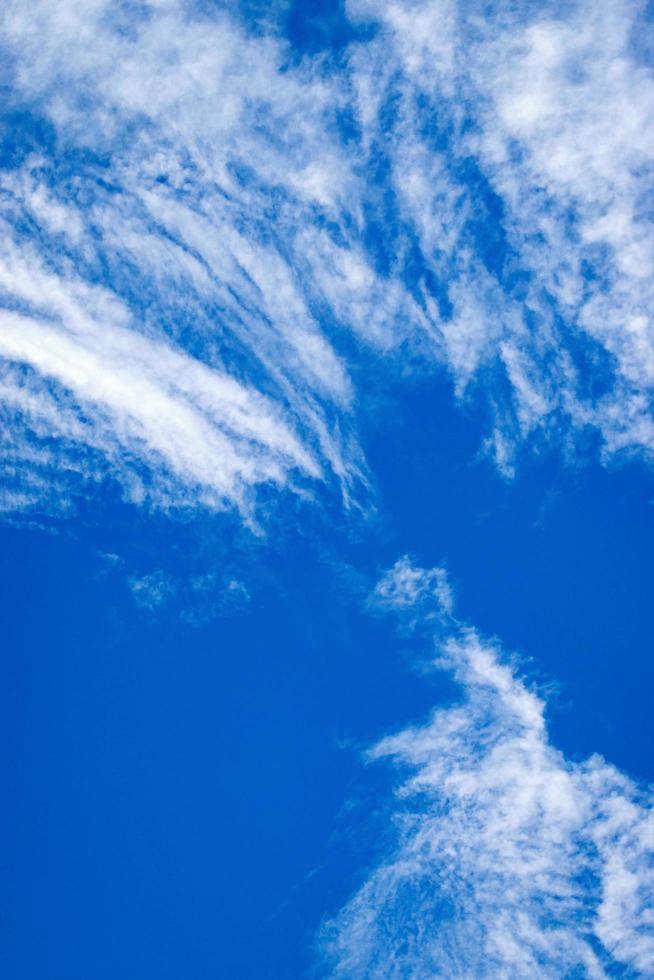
x=509, y=859
x=203, y=235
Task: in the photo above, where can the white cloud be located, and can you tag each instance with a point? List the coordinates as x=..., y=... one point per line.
x=510, y=860
x=196, y=371
x=149, y=400
x=197, y=238
x=406, y=588
x=554, y=111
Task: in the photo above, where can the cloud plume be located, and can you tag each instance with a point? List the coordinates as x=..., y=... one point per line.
x=510, y=860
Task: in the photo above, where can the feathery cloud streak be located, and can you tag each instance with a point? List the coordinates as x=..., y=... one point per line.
x=510, y=860
x=196, y=229
x=150, y=320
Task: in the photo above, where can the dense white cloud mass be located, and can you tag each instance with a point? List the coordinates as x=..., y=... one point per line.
x=193, y=224
x=510, y=860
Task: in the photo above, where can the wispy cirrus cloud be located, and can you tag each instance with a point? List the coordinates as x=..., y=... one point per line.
x=152, y=325
x=509, y=859
x=520, y=154
x=203, y=236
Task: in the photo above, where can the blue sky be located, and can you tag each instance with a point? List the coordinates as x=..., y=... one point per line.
x=326, y=373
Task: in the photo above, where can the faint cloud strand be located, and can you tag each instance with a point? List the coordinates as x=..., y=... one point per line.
x=197, y=600
x=152, y=591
